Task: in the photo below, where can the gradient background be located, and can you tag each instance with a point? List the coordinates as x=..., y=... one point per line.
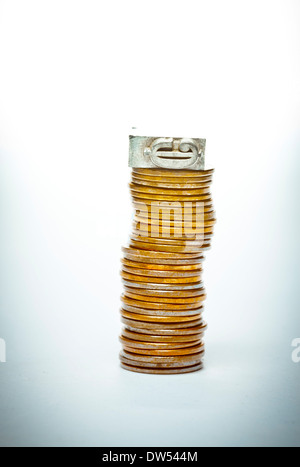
x=74, y=77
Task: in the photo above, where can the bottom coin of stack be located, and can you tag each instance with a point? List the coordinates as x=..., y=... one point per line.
x=162, y=303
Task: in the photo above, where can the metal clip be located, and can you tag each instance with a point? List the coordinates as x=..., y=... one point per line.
x=166, y=153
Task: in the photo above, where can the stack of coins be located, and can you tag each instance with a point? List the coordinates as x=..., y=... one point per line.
x=163, y=297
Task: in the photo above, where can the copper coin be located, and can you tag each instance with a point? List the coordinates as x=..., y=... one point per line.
x=167, y=248
x=166, y=294
x=152, y=286
x=167, y=364
x=138, y=336
x=163, y=299
x=157, y=305
x=167, y=331
x=158, y=318
x=162, y=312
x=162, y=353
x=157, y=346
x=156, y=371
x=162, y=327
x=192, y=358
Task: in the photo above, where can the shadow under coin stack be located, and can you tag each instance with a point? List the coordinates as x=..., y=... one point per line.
x=163, y=297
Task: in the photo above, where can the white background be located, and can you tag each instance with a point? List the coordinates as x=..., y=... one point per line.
x=74, y=77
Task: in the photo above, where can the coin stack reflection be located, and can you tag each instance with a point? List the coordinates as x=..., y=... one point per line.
x=162, y=303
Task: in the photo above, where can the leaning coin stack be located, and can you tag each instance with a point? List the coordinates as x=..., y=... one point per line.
x=162, y=304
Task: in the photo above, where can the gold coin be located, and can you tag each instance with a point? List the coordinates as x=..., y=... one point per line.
x=205, y=183
x=175, y=198
x=163, y=255
x=173, y=180
x=167, y=248
x=160, y=273
x=168, y=191
x=163, y=312
x=177, y=359
x=163, y=267
x=166, y=238
x=160, y=280
x=173, y=173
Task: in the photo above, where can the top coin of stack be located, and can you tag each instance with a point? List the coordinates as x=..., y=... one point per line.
x=162, y=304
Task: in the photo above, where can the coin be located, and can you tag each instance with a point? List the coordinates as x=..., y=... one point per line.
x=158, y=318
x=163, y=328
x=160, y=273
x=161, y=305
x=157, y=286
x=168, y=248
x=163, y=255
x=138, y=336
x=163, y=299
x=157, y=346
x=167, y=191
x=205, y=183
x=161, y=280
x=166, y=294
x=173, y=173
x=156, y=371
x=191, y=358
x=163, y=267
